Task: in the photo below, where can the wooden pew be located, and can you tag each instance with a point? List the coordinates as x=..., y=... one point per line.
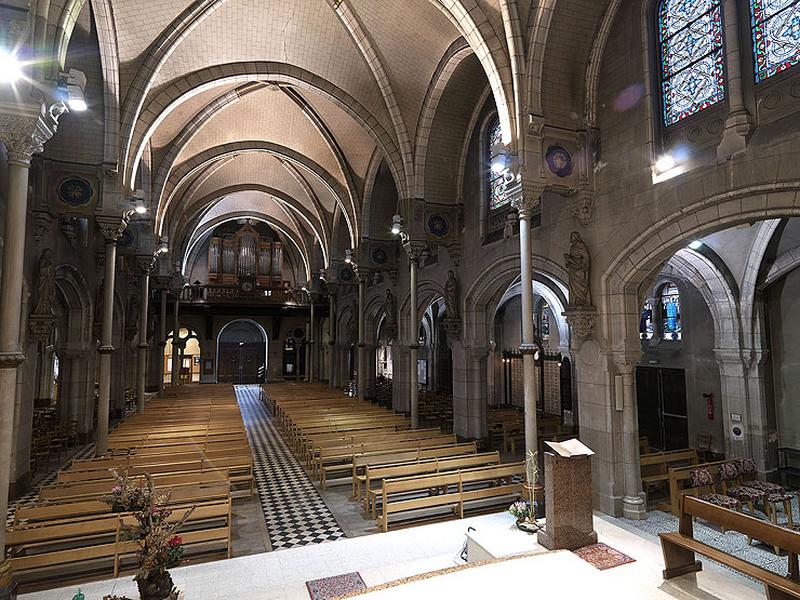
x=455, y=490
x=655, y=465
x=362, y=461
x=376, y=474
x=680, y=548
x=678, y=476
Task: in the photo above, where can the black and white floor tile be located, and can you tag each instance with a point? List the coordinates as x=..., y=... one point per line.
x=33, y=495
x=294, y=512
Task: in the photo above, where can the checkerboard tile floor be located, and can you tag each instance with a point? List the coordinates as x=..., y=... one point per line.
x=295, y=513
x=33, y=495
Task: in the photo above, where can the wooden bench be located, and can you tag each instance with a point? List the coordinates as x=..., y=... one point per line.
x=376, y=474
x=680, y=548
x=454, y=489
x=679, y=476
x=362, y=461
x=655, y=465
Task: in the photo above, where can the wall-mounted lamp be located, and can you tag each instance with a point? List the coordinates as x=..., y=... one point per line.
x=10, y=68
x=397, y=225
x=71, y=86
x=348, y=256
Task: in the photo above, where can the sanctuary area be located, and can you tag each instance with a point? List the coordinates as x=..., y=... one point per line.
x=316, y=299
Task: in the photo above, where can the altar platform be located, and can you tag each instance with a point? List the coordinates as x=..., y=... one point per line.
x=425, y=562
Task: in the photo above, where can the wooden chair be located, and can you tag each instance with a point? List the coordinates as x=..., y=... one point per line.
x=703, y=445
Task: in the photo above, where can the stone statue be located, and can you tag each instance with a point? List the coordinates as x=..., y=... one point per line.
x=391, y=308
x=46, y=284
x=578, y=264
x=451, y=296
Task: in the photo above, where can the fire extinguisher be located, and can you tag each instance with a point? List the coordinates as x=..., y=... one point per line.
x=709, y=405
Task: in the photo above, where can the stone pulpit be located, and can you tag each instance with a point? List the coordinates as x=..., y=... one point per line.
x=568, y=497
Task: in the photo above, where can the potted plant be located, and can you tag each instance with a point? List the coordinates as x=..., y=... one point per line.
x=159, y=546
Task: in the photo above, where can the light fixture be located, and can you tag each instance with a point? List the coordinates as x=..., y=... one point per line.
x=71, y=86
x=696, y=245
x=348, y=256
x=10, y=68
x=397, y=224
x=665, y=163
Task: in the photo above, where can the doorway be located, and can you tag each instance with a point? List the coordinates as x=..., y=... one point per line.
x=242, y=353
x=663, y=415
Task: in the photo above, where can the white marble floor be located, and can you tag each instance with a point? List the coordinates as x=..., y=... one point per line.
x=395, y=555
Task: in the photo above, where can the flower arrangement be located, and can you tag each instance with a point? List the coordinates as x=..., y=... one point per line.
x=521, y=509
x=160, y=547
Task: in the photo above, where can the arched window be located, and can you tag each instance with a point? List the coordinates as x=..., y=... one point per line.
x=692, y=60
x=493, y=149
x=776, y=36
x=671, y=312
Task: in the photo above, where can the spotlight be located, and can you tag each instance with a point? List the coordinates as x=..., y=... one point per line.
x=348, y=256
x=665, y=163
x=696, y=245
x=140, y=209
x=397, y=224
x=71, y=86
x=10, y=69
x=498, y=166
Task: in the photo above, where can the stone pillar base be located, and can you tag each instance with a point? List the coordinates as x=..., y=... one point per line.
x=634, y=507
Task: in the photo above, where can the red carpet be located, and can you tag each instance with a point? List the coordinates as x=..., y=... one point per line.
x=603, y=557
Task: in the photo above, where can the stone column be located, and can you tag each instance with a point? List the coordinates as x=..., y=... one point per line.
x=312, y=357
x=739, y=123
x=112, y=228
x=633, y=500
x=176, y=351
x=145, y=265
x=24, y=131
x=526, y=205
x=332, y=289
x=414, y=251
x=736, y=405
x=162, y=340
x=362, y=276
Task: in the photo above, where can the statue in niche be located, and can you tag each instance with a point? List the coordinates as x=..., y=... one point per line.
x=46, y=284
x=451, y=296
x=391, y=309
x=578, y=264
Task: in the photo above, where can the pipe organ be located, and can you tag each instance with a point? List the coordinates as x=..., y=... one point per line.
x=245, y=255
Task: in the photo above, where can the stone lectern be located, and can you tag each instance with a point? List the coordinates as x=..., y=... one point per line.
x=568, y=497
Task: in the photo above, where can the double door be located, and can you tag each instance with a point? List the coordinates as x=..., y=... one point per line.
x=663, y=416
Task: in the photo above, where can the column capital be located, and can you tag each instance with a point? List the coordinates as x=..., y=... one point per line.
x=415, y=250
x=11, y=360
x=529, y=199
x=25, y=129
x=362, y=275
x=112, y=226
x=145, y=264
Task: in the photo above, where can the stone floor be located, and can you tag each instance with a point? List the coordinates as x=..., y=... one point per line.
x=388, y=557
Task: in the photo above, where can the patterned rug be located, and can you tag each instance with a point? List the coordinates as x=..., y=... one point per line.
x=333, y=587
x=603, y=557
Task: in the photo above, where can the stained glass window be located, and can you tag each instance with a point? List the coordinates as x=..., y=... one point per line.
x=692, y=59
x=671, y=311
x=776, y=35
x=494, y=144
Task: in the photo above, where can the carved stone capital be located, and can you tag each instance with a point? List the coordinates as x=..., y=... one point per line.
x=529, y=200
x=452, y=327
x=106, y=349
x=528, y=348
x=362, y=275
x=415, y=250
x=582, y=321
x=582, y=206
x=41, y=326
x=42, y=220
x=11, y=360
x=26, y=129
x=113, y=226
x=145, y=264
